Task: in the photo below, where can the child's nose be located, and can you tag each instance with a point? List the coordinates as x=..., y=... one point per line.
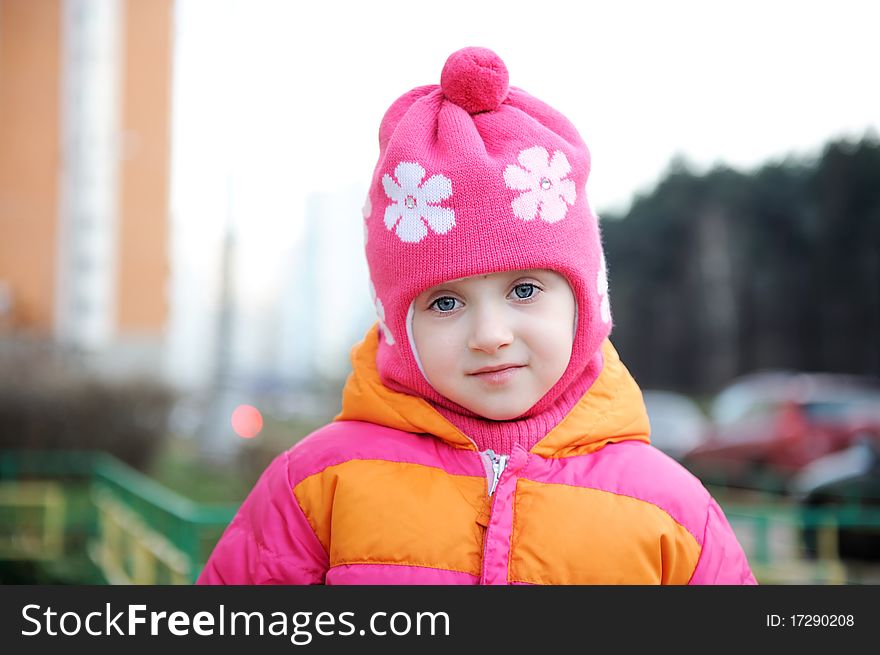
x=490, y=331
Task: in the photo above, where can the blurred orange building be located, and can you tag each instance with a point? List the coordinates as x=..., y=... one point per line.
x=85, y=120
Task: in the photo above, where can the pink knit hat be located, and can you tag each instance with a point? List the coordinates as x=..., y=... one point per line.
x=476, y=177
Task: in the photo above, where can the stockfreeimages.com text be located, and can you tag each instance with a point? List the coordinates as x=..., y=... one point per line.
x=300, y=627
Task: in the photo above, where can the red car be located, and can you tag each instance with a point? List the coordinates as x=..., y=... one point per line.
x=767, y=426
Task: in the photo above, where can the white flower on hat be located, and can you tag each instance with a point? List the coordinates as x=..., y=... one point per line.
x=380, y=312
x=544, y=184
x=602, y=288
x=367, y=210
x=415, y=204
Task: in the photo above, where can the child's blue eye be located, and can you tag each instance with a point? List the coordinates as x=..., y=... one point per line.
x=445, y=304
x=524, y=291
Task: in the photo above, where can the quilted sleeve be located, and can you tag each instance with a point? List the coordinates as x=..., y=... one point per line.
x=722, y=560
x=269, y=541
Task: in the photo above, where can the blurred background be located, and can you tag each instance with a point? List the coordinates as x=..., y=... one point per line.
x=182, y=276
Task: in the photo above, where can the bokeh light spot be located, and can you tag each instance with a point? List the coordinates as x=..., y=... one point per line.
x=247, y=421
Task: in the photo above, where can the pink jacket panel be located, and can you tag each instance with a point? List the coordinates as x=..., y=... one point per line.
x=386, y=574
x=269, y=541
x=722, y=561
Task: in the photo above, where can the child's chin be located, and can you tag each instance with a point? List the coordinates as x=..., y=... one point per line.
x=499, y=413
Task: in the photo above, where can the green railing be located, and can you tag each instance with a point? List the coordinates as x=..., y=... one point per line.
x=788, y=543
x=75, y=507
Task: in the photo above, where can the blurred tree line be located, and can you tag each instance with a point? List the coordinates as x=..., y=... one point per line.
x=50, y=401
x=720, y=274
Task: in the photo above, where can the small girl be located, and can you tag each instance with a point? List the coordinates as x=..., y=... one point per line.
x=489, y=433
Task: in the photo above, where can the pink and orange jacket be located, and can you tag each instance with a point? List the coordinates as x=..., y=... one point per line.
x=392, y=493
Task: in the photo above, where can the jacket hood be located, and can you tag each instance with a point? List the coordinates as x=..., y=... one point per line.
x=611, y=411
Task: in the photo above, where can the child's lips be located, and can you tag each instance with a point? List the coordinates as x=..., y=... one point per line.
x=496, y=374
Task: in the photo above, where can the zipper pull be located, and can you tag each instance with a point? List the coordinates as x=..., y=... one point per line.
x=499, y=462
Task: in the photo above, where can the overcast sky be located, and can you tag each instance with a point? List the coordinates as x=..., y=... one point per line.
x=299, y=87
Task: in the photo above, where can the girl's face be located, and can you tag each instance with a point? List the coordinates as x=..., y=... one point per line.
x=495, y=344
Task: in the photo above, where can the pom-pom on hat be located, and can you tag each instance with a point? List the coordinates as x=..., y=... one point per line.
x=475, y=176
x=475, y=79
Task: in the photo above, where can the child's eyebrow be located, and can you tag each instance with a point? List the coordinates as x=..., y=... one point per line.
x=428, y=293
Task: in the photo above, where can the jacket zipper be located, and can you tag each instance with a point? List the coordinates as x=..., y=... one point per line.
x=499, y=462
